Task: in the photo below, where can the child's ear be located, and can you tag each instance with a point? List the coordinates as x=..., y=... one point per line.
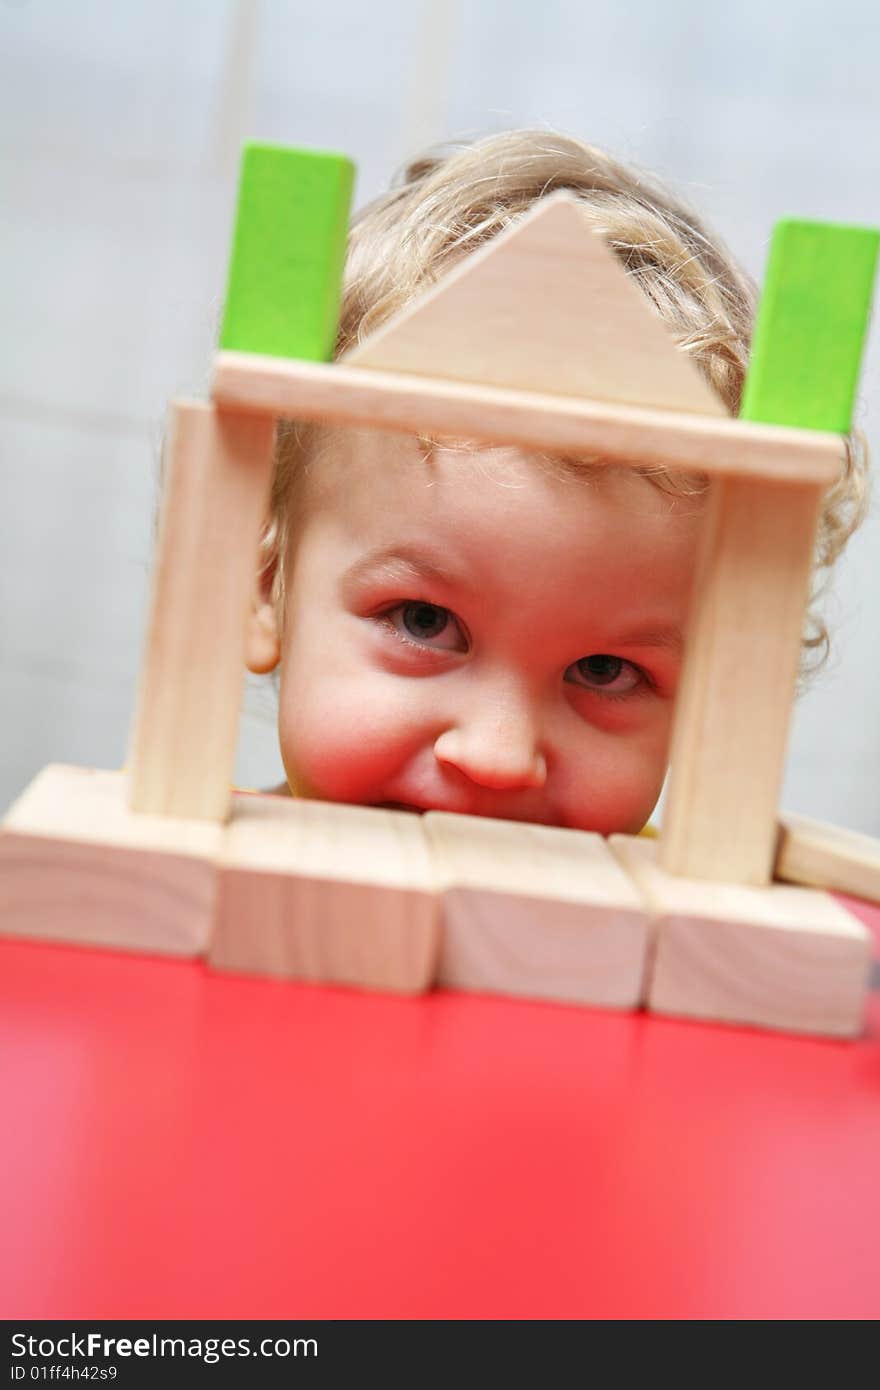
x=262, y=647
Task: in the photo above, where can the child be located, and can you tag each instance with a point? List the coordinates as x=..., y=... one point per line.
x=474, y=629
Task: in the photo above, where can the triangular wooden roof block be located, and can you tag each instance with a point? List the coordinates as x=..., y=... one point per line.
x=544, y=306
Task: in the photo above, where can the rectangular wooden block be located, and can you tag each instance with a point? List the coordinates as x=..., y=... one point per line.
x=329, y=893
x=780, y=957
x=827, y=856
x=537, y=911
x=534, y=420
x=285, y=271
x=214, y=496
x=811, y=325
x=77, y=865
x=731, y=730
x=757, y=562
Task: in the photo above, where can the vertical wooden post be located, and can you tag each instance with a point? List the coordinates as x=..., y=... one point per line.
x=732, y=718
x=734, y=704
x=218, y=471
x=283, y=295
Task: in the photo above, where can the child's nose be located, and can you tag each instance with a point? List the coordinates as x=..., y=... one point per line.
x=498, y=748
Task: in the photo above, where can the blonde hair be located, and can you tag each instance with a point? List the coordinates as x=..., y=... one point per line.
x=454, y=199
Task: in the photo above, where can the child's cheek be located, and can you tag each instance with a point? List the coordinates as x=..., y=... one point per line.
x=339, y=742
x=616, y=791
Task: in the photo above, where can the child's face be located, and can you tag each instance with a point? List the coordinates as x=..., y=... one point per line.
x=468, y=631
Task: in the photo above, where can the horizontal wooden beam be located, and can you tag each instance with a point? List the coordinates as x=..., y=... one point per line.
x=559, y=424
x=827, y=856
x=378, y=899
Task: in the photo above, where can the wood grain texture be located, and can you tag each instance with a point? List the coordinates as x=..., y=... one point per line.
x=734, y=702
x=538, y=912
x=784, y=958
x=328, y=893
x=185, y=726
x=544, y=306
x=76, y=865
x=532, y=420
x=827, y=856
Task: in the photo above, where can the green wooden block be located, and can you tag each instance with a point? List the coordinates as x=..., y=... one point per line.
x=811, y=326
x=288, y=252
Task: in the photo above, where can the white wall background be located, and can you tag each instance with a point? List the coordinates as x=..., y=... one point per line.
x=120, y=125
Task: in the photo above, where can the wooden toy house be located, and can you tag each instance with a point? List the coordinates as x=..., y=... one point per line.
x=166, y=857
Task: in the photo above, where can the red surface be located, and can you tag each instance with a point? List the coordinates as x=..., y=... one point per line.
x=182, y=1144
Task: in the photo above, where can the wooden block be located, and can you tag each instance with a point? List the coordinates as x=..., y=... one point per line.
x=560, y=424
x=735, y=696
x=537, y=911
x=811, y=326
x=743, y=651
x=77, y=865
x=543, y=306
x=783, y=958
x=329, y=893
x=285, y=272
x=213, y=503
x=827, y=856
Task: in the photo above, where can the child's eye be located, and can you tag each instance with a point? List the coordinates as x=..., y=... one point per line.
x=609, y=675
x=427, y=624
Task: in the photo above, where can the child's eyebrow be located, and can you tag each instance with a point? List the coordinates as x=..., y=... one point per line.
x=665, y=635
x=404, y=561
